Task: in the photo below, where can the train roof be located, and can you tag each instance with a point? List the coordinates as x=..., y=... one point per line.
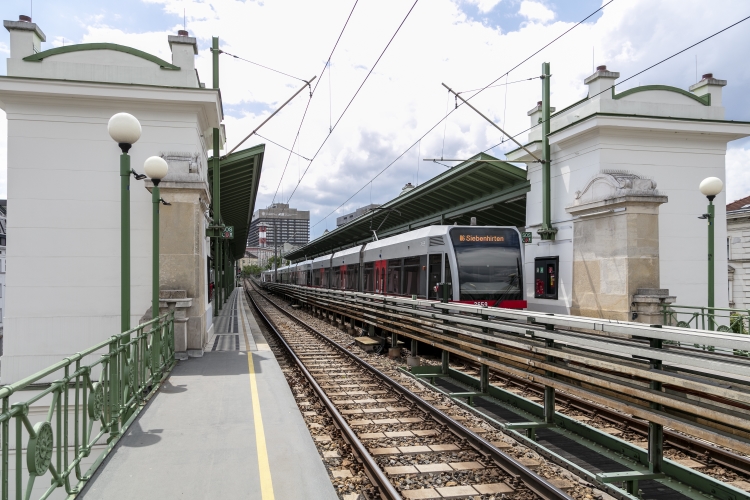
x=417, y=234
x=348, y=251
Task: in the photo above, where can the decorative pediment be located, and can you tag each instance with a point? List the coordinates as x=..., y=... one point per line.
x=84, y=47
x=610, y=184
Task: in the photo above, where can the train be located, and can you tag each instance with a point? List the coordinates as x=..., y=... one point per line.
x=480, y=265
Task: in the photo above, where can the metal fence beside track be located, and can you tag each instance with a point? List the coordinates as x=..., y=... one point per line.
x=89, y=407
x=651, y=372
x=714, y=318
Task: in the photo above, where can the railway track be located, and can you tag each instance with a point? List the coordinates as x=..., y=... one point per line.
x=691, y=452
x=408, y=447
x=706, y=459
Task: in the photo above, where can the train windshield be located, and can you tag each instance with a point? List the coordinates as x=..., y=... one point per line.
x=489, y=264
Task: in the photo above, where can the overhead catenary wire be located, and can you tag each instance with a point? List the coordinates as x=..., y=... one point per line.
x=471, y=97
x=500, y=84
x=312, y=93
x=282, y=147
x=357, y=93
x=262, y=66
x=611, y=88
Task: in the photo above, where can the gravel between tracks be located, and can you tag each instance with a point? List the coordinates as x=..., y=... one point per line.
x=574, y=486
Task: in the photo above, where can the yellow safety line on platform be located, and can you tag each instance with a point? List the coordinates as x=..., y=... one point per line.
x=264, y=469
x=266, y=484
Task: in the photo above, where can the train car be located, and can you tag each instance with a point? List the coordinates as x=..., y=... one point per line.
x=345, y=266
x=303, y=273
x=321, y=270
x=482, y=264
x=266, y=277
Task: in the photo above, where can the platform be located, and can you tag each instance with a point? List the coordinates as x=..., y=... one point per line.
x=223, y=426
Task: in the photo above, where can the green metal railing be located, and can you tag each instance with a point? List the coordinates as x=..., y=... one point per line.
x=704, y=318
x=89, y=405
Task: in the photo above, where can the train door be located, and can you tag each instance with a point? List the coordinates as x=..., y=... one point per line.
x=381, y=267
x=447, y=275
x=342, y=278
x=434, y=274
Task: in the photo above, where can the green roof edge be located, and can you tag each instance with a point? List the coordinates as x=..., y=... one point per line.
x=39, y=56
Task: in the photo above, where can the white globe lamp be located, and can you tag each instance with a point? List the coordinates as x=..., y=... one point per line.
x=124, y=129
x=156, y=168
x=710, y=187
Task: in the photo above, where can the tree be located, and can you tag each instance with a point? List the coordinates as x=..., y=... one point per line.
x=251, y=270
x=273, y=260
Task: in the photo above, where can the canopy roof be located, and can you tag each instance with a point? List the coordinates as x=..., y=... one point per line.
x=240, y=175
x=484, y=187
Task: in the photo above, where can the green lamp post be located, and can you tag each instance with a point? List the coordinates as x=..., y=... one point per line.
x=125, y=130
x=156, y=169
x=710, y=187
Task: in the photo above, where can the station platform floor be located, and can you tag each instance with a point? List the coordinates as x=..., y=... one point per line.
x=223, y=426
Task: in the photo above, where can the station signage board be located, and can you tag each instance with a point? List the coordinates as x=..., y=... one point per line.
x=526, y=237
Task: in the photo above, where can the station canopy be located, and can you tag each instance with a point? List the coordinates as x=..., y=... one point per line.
x=240, y=176
x=484, y=187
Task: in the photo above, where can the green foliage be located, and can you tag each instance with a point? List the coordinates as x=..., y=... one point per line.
x=251, y=270
x=273, y=260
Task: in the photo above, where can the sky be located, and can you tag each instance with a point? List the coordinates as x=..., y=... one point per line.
x=465, y=44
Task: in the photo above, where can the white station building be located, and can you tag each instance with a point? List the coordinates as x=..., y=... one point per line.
x=626, y=166
x=64, y=187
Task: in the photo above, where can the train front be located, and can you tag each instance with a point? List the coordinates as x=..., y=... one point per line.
x=489, y=264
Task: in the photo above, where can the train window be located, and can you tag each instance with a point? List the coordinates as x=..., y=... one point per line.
x=546, y=277
x=317, y=277
x=352, y=273
x=414, y=276
x=447, y=276
x=394, y=277
x=369, y=270
x=489, y=264
x=435, y=263
x=336, y=283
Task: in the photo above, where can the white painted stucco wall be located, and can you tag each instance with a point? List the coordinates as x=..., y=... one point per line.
x=63, y=288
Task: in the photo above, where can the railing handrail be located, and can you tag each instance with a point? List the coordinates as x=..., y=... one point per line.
x=91, y=403
x=703, y=308
x=670, y=333
x=8, y=390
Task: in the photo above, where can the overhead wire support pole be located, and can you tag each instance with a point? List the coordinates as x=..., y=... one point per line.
x=216, y=188
x=493, y=124
x=306, y=85
x=547, y=232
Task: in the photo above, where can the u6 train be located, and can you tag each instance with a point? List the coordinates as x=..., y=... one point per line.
x=482, y=265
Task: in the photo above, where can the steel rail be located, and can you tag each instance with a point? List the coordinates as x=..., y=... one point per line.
x=373, y=471
x=384, y=312
x=687, y=444
x=515, y=469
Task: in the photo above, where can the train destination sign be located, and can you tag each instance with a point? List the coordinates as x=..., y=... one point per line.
x=526, y=237
x=478, y=238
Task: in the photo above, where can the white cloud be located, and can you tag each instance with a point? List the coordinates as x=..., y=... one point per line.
x=738, y=173
x=4, y=49
x=404, y=97
x=485, y=5
x=536, y=12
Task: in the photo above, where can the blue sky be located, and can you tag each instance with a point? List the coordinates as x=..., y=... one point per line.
x=463, y=43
